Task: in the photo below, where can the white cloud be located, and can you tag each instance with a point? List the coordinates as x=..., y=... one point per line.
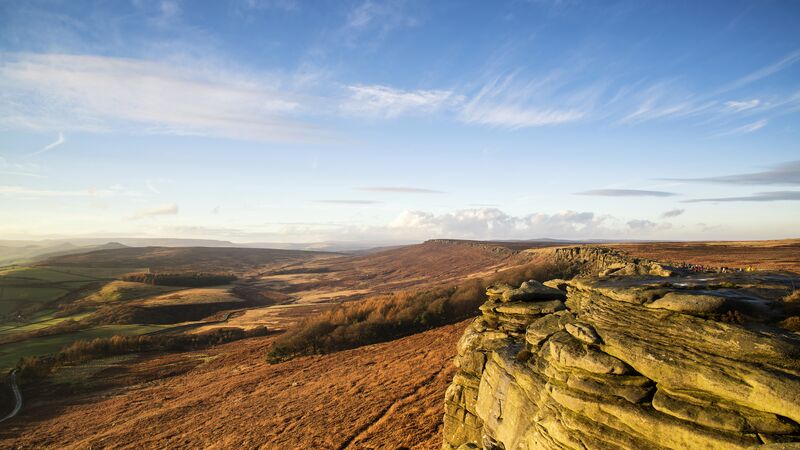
x=642, y=224
x=477, y=223
x=664, y=100
x=492, y=223
x=384, y=101
x=738, y=106
x=59, y=140
x=161, y=210
x=101, y=93
x=744, y=129
x=504, y=103
x=764, y=72
x=513, y=117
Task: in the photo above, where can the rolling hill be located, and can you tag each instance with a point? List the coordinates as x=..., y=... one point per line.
x=214, y=259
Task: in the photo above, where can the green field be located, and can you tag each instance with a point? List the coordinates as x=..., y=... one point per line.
x=125, y=290
x=23, y=287
x=19, y=298
x=39, y=322
x=33, y=292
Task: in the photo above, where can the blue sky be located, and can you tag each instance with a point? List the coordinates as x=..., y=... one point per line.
x=291, y=121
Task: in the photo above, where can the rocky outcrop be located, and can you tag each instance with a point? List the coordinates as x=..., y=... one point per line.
x=640, y=361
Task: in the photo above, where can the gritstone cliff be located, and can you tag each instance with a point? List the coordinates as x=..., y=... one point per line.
x=636, y=356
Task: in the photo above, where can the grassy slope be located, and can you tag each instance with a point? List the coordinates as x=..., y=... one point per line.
x=384, y=395
x=214, y=259
x=23, y=287
x=11, y=353
x=763, y=255
x=381, y=396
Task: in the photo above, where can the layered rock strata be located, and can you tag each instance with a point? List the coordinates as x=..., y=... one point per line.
x=688, y=361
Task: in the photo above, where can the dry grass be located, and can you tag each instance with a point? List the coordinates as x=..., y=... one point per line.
x=386, y=317
x=185, y=258
x=381, y=396
x=762, y=255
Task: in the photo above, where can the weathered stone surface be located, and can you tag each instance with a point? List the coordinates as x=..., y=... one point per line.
x=532, y=290
x=531, y=309
x=569, y=352
x=583, y=332
x=631, y=361
x=689, y=303
x=544, y=327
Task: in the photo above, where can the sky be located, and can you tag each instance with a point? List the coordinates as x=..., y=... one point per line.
x=399, y=121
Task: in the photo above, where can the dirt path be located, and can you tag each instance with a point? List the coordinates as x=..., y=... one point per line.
x=17, y=397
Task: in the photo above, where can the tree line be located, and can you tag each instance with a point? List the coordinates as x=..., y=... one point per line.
x=183, y=279
x=386, y=317
x=32, y=368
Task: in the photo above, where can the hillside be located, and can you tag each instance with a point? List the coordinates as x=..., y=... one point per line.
x=14, y=252
x=431, y=263
x=184, y=258
x=386, y=395
x=762, y=255
x=374, y=395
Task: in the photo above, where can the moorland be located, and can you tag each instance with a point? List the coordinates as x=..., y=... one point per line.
x=180, y=363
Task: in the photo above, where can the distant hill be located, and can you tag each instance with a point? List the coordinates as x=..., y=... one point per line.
x=15, y=250
x=12, y=252
x=430, y=263
x=183, y=258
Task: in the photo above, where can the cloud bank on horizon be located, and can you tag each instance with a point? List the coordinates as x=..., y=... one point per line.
x=272, y=120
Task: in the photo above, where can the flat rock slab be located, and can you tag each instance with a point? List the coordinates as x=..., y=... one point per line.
x=690, y=302
x=531, y=291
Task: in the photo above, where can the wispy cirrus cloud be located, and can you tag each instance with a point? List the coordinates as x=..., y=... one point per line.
x=626, y=193
x=399, y=189
x=787, y=173
x=771, y=196
x=387, y=102
x=744, y=105
x=102, y=93
x=744, y=129
x=59, y=140
x=507, y=102
x=785, y=62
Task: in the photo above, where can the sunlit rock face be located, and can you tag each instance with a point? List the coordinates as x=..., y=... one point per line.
x=654, y=359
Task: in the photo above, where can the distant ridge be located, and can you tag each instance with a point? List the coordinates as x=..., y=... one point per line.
x=212, y=259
